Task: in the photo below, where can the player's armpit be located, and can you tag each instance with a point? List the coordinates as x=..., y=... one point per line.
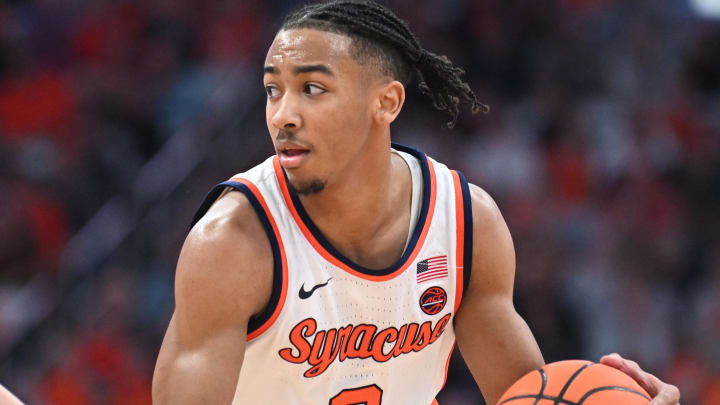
x=495, y=341
x=223, y=277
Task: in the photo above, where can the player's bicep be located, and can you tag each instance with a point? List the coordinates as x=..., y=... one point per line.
x=494, y=340
x=223, y=277
x=200, y=373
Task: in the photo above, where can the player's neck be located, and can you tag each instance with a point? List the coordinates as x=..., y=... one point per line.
x=365, y=213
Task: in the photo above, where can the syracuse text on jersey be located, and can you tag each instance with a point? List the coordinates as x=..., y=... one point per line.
x=361, y=341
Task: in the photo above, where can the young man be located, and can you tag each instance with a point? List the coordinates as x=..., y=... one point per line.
x=344, y=269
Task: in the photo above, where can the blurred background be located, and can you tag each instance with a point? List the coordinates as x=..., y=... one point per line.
x=602, y=149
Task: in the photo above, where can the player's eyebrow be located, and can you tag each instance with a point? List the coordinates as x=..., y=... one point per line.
x=313, y=68
x=301, y=69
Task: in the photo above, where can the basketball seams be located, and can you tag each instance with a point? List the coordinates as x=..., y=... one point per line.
x=543, y=384
x=561, y=400
x=611, y=388
x=572, y=373
x=538, y=398
x=571, y=379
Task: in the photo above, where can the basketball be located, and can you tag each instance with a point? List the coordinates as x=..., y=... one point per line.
x=575, y=382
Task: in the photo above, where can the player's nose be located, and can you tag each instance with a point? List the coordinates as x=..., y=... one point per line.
x=287, y=114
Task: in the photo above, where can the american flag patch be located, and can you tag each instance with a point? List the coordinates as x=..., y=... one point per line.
x=432, y=268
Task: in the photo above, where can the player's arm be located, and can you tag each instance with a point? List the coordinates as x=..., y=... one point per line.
x=223, y=277
x=494, y=340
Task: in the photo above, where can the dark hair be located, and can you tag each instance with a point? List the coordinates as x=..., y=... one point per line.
x=380, y=36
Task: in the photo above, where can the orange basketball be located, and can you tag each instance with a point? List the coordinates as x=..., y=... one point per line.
x=575, y=382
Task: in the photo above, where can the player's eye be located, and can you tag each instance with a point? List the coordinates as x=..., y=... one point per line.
x=313, y=89
x=272, y=91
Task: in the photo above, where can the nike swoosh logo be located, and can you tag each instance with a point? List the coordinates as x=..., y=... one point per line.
x=306, y=294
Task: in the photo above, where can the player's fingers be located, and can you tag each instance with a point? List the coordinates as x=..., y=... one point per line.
x=662, y=393
x=612, y=360
x=668, y=394
x=632, y=369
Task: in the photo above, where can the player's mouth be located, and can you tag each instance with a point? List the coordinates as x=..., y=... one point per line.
x=292, y=156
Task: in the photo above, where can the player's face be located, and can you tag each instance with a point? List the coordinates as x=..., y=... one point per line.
x=318, y=108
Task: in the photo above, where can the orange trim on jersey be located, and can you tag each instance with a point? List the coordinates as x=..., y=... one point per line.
x=459, y=239
x=434, y=402
x=335, y=261
x=283, y=292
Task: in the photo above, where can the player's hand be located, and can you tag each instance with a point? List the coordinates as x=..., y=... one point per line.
x=662, y=394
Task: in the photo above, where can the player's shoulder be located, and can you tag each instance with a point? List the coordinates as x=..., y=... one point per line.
x=228, y=244
x=228, y=233
x=484, y=209
x=224, y=273
x=493, y=256
x=230, y=227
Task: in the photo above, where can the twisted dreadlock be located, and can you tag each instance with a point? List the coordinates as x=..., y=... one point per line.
x=381, y=37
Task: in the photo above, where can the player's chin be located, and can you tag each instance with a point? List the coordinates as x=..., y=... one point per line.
x=307, y=186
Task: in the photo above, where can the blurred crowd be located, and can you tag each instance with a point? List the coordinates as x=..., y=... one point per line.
x=602, y=149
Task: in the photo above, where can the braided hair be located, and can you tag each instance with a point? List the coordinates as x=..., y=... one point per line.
x=384, y=39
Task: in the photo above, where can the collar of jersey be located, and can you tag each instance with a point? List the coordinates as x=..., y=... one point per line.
x=332, y=255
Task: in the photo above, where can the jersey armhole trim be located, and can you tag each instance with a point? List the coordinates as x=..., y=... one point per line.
x=464, y=235
x=262, y=322
x=259, y=324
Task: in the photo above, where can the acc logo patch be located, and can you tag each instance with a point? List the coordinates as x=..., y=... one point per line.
x=433, y=300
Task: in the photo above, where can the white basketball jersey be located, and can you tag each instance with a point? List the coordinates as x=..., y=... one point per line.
x=337, y=333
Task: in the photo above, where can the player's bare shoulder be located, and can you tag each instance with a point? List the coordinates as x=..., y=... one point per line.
x=485, y=210
x=231, y=219
x=226, y=258
x=493, y=250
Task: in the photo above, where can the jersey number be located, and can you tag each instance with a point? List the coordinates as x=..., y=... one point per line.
x=367, y=395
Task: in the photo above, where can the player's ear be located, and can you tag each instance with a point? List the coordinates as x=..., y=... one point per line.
x=391, y=97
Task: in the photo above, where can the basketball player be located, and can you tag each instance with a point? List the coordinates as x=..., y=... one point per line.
x=342, y=270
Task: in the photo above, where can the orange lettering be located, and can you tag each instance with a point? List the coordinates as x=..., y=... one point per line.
x=343, y=338
x=406, y=346
x=363, y=350
x=356, y=342
x=439, y=328
x=386, y=335
x=402, y=334
x=322, y=360
x=298, y=340
x=423, y=338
